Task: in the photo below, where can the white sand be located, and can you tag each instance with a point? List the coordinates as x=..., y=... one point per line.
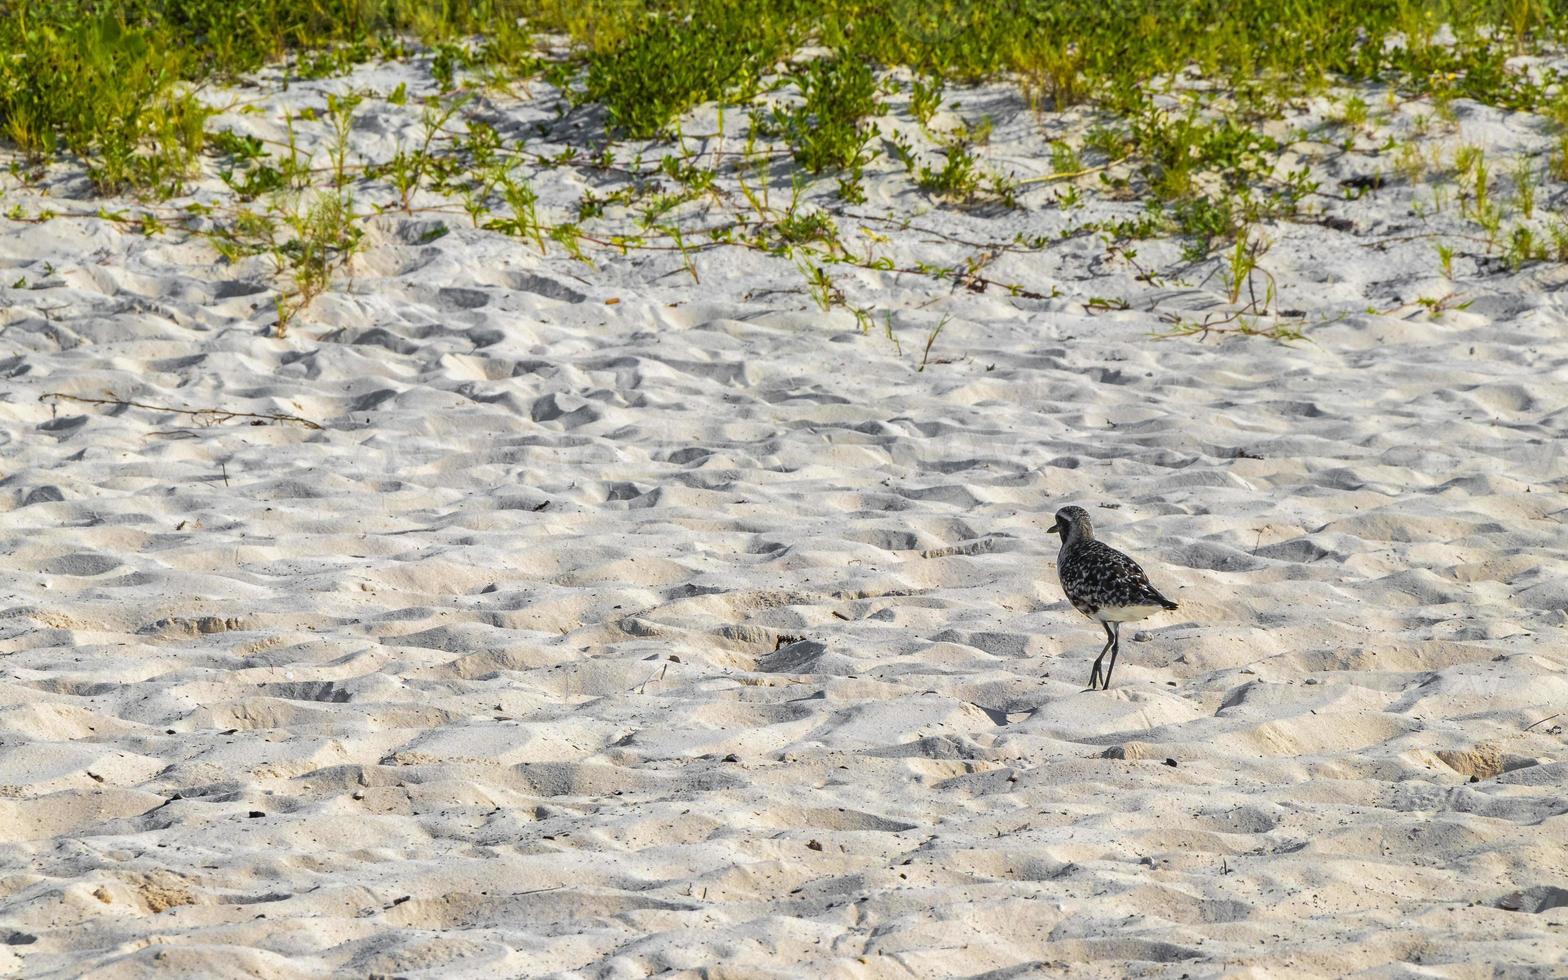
x=698, y=629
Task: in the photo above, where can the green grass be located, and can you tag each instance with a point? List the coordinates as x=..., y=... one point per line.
x=102, y=79
x=826, y=130
x=105, y=91
x=678, y=56
x=115, y=88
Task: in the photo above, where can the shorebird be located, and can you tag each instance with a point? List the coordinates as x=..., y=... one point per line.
x=1103, y=584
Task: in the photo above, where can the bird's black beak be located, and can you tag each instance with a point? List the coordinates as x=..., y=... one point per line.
x=1057, y=528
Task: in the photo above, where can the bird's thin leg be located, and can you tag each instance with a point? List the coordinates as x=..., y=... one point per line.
x=1116, y=645
x=1094, y=677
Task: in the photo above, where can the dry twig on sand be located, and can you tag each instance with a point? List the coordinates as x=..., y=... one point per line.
x=211, y=416
x=1070, y=174
x=1544, y=720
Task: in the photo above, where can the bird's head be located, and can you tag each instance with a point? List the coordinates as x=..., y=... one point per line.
x=1073, y=523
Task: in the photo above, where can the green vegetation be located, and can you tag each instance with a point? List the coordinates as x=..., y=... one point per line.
x=673, y=57
x=826, y=129
x=1179, y=118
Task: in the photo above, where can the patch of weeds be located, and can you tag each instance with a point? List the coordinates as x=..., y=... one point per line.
x=1525, y=182
x=826, y=130
x=1478, y=203
x=1052, y=71
x=903, y=151
x=696, y=180
x=1410, y=163
x=448, y=58
x=1109, y=141
x=338, y=59
x=569, y=237
x=523, y=201
x=1003, y=189
x=1183, y=108
x=507, y=51
x=819, y=285
x=1559, y=235
x=325, y=238
x=1445, y=260
x=1106, y=304
x=675, y=59
x=1064, y=159
x=1152, y=223
x=1436, y=306
x=340, y=111
x=1245, y=325
x=851, y=188
x=1465, y=159
x=107, y=92
x=1352, y=113
x=1524, y=247
x=925, y=99
x=592, y=205
x=1557, y=161
x=1204, y=221
x=1178, y=149
x=887, y=332
x=660, y=205
x=295, y=167
x=960, y=176
x=241, y=149
x=931, y=337
x=407, y=168
x=247, y=233
x=249, y=176
x=1241, y=263
x=796, y=227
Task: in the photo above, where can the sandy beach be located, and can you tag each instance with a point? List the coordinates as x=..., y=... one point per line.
x=528, y=615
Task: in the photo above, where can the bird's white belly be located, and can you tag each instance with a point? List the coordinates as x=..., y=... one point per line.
x=1124, y=614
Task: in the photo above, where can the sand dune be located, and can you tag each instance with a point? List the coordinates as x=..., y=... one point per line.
x=698, y=629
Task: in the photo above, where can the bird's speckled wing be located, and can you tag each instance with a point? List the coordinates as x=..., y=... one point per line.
x=1095, y=575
